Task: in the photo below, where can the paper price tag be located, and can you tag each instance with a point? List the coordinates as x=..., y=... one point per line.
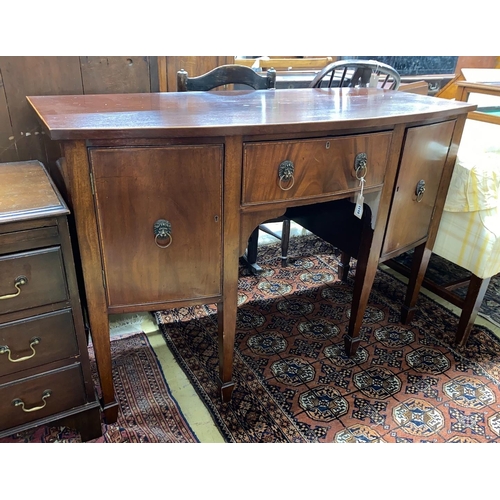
x=358, y=209
x=373, y=81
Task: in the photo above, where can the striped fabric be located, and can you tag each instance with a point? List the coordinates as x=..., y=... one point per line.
x=471, y=240
x=475, y=184
x=469, y=232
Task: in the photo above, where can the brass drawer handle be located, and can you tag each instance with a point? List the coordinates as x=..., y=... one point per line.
x=361, y=165
x=420, y=190
x=5, y=349
x=285, y=174
x=162, y=230
x=19, y=402
x=19, y=281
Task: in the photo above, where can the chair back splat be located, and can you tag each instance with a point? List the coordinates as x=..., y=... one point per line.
x=226, y=75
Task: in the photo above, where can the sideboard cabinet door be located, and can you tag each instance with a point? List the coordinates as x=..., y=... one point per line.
x=424, y=155
x=178, y=188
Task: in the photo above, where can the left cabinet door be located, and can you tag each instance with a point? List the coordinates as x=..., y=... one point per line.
x=135, y=188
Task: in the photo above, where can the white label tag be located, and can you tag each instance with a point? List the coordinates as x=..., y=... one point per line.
x=373, y=80
x=358, y=209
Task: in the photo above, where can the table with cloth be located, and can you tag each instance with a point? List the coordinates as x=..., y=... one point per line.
x=469, y=231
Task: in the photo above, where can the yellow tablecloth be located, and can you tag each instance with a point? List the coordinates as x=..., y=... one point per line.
x=471, y=240
x=469, y=231
x=475, y=184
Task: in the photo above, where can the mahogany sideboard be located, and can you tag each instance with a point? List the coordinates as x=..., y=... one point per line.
x=166, y=188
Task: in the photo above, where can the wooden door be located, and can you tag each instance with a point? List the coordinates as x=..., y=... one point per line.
x=138, y=186
x=424, y=155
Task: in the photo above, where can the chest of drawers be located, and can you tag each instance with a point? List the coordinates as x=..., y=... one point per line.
x=45, y=375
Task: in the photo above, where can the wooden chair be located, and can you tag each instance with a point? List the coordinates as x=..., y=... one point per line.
x=226, y=75
x=357, y=73
x=229, y=74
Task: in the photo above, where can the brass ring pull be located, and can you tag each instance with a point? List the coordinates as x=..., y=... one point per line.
x=162, y=230
x=19, y=402
x=420, y=190
x=5, y=349
x=289, y=187
x=163, y=246
x=361, y=165
x=19, y=281
x=285, y=174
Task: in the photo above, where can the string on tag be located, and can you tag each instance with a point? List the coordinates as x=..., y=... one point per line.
x=374, y=78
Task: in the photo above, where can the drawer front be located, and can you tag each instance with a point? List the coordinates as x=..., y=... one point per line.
x=424, y=155
x=36, y=341
x=320, y=167
x=139, y=186
x=32, y=279
x=18, y=241
x=32, y=398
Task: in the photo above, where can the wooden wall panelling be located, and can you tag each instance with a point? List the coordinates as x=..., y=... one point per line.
x=21, y=135
x=26, y=75
x=449, y=91
x=115, y=75
x=8, y=151
x=477, y=62
x=194, y=65
x=154, y=78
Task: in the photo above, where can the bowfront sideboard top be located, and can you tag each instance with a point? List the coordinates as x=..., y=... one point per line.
x=229, y=113
x=166, y=189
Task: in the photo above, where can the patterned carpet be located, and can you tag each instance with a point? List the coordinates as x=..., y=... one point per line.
x=442, y=271
x=148, y=413
x=294, y=383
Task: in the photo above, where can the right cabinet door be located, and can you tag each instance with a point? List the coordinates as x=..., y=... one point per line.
x=424, y=155
x=142, y=191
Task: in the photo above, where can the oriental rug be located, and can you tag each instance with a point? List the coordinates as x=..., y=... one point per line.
x=294, y=382
x=148, y=413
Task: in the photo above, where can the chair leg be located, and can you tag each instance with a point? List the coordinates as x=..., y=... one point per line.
x=250, y=258
x=472, y=303
x=285, y=241
x=344, y=266
x=253, y=243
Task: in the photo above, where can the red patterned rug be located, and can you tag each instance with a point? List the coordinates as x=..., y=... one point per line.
x=148, y=413
x=294, y=383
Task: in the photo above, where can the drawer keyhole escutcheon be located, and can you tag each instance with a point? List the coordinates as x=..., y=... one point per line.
x=285, y=174
x=18, y=282
x=19, y=402
x=5, y=349
x=420, y=190
x=361, y=165
x=162, y=230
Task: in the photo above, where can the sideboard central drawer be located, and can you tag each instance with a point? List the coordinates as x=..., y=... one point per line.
x=315, y=167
